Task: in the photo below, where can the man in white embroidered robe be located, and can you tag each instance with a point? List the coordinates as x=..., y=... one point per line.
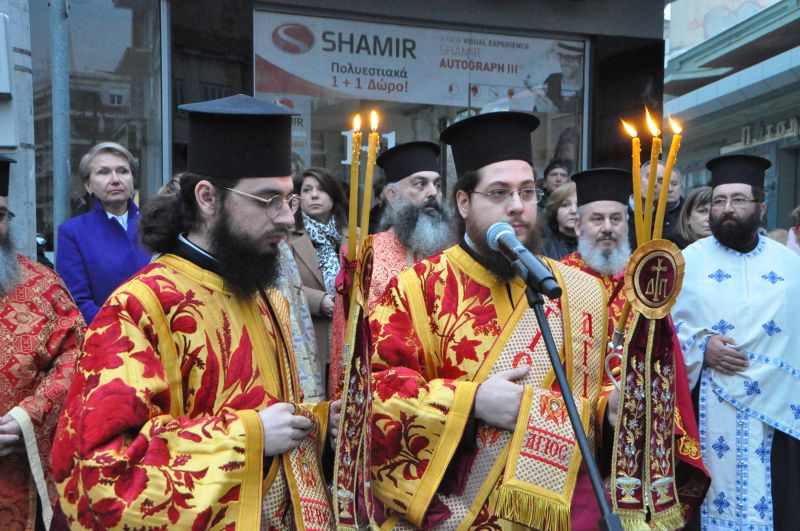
x=739, y=326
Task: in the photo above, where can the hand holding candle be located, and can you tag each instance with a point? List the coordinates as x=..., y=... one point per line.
x=352, y=218
x=662, y=196
x=372, y=149
x=636, y=163
x=655, y=151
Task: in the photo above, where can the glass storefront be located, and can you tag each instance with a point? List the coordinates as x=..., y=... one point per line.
x=115, y=93
x=418, y=79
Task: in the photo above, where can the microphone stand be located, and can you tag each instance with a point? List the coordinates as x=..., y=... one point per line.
x=609, y=521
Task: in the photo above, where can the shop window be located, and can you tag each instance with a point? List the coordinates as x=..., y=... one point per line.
x=115, y=72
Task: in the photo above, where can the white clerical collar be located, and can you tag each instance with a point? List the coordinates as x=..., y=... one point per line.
x=469, y=242
x=123, y=219
x=185, y=240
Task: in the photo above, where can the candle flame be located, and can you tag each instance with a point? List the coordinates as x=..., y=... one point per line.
x=373, y=120
x=357, y=123
x=629, y=128
x=651, y=123
x=676, y=127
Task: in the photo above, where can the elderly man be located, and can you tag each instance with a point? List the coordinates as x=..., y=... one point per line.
x=41, y=331
x=459, y=366
x=675, y=200
x=418, y=225
x=602, y=229
x=185, y=410
x=739, y=327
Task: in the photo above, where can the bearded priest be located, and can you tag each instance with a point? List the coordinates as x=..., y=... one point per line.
x=186, y=407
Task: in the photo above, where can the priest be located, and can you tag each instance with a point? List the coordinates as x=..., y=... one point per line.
x=739, y=329
x=459, y=366
x=41, y=330
x=417, y=226
x=186, y=410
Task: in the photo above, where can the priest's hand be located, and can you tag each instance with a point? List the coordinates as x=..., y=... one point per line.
x=720, y=356
x=334, y=418
x=612, y=407
x=283, y=430
x=498, y=398
x=11, y=440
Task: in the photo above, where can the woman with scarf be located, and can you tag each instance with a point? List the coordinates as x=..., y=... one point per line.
x=317, y=241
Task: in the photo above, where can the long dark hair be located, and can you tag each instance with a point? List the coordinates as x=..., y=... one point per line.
x=169, y=214
x=332, y=187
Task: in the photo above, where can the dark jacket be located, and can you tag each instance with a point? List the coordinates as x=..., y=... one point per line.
x=557, y=245
x=95, y=255
x=672, y=223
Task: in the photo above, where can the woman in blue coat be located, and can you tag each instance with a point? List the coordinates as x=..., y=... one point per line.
x=99, y=250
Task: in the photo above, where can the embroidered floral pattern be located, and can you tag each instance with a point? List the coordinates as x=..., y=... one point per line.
x=721, y=503
x=719, y=275
x=772, y=277
x=723, y=327
x=771, y=327
x=751, y=388
x=721, y=447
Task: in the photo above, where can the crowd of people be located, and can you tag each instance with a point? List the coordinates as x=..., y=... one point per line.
x=192, y=364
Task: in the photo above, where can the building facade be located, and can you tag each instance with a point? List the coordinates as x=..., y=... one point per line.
x=579, y=66
x=737, y=91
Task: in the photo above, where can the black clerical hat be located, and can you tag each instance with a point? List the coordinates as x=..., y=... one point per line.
x=239, y=136
x=5, y=172
x=406, y=159
x=603, y=184
x=492, y=137
x=745, y=169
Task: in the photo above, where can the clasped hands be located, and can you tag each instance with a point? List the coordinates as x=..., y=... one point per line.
x=284, y=431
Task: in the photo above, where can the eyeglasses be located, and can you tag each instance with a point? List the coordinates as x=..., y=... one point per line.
x=503, y=195
x=736, y=201
x=274, y=204
x=6, y=215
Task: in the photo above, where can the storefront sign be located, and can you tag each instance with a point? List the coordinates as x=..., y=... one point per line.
x=322, y=57
x=754, y=135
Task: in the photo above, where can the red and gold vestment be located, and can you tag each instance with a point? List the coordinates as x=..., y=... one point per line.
x=161, y=426
x=41, y=330
x=441, y=328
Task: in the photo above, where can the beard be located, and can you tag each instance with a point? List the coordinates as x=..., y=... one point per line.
x=9, y=266
x=494, y=261
x=243, y=269
x=741, y=235
x=604, y=261
x=424, y=232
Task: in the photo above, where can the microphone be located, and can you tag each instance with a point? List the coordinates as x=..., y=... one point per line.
x=501, y=237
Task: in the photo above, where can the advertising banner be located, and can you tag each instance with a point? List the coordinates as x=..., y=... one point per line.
x=323, y=57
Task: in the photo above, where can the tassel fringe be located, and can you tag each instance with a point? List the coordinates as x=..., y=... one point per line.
x=669, y=520
x=521, y=506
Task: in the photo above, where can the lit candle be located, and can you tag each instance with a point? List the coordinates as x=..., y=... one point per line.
x=655, y=151
x=662, y=196
x=636, y=149
x=371, y=151
x=352, y=218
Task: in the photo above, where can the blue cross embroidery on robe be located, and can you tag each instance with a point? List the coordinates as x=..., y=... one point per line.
x=762, y=452
x=795, y=411
x=771, y=327
x=751, y=388
x=721, y=503
x=761, y=507
x=772, y=277
x=721, y=447
x=719, y=275
x=723, y=327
